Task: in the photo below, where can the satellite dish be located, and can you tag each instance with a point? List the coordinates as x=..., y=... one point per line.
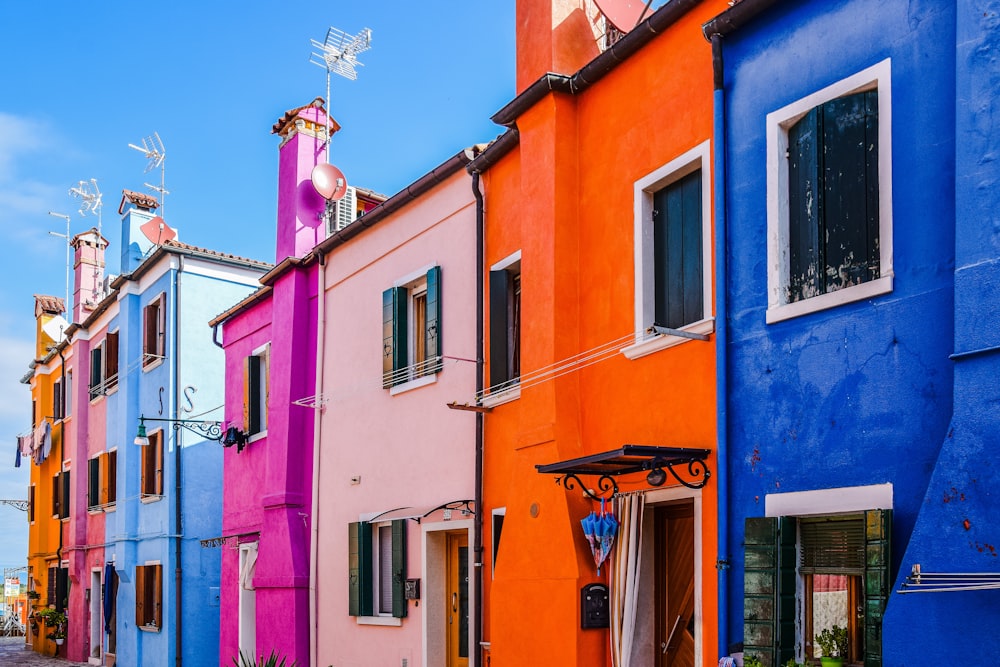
x=55, y=328
x=329, y=181
x=623, y=14
x=157, y=231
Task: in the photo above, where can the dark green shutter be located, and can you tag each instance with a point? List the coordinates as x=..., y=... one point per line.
x=359, y=565
x=769, y=589
x=96, y=372
x=394, y=329
x=499, y=353
x=93, y=482
x=678, y=284
x=878, y=532
x=64, y=507
x=62, y=588
x=804, y=207
x=254, y=376
x=399, y=605
x=432, y=323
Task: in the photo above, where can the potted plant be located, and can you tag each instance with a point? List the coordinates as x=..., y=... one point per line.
x=34, y=596
x=833, y=644
x=55, y=620
x=752, y=661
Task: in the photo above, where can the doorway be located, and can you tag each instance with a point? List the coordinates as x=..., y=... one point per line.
x=457, y=600
x=674, y=583
x=96, y=617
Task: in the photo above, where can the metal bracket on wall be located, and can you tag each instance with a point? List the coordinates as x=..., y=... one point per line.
x=946, y=582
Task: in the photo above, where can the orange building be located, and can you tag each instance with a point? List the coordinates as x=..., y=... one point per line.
x=600, y=339
x=48, y=493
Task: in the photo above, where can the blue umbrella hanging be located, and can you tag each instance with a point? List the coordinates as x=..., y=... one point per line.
x=600, y=530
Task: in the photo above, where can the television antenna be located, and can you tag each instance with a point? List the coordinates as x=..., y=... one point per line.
x=152, y=148
x=90, y=202
x=338, y=54
x=68, y=238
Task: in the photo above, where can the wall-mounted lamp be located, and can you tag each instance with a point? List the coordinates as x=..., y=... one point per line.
x=234, y=436
x=210, y=430
x=656, y=477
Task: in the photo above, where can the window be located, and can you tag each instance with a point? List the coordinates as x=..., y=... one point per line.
x=153, y=331
x=505, y=323
x=806, y=574
x=672, y=235
x=31, y=504
x=111, y=362
x=377, y=569
x=247, y=609
x=60, y=495
x=97, y=371
x=497, y=531
x=68, y=394
x=256, y=383
x=57, y=588
x=148, y=596
x=411, y=329
x=57, y=400
x=345, y=211
x=829, y=197
x=102, y=480
x=151, y=484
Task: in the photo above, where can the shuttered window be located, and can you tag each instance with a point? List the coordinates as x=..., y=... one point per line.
x=153, y=331
x=96, y=372
x=57, y=400
x=151, y=483
x=832, y=546
x=60, y=495
x=93, y=482
x=377, y=569
x=111, y=361
x=411, y=329
x=149, y=596
x=833, y=196
x=57, y=588
x=505, y=327
x=256, y=389
x=677, y=253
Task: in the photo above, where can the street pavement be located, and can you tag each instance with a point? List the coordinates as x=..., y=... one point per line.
x=14, y=653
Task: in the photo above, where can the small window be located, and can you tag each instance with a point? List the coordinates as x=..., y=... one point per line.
x=97, y=371
x=57, y=400
x=829, y=197
x=151, y=484
x=256, y=384
x=148, y=596
x=497, y=531
x=411, y=329
x=68, y=394
x=111, y=362
x=31, y=504
x=61, y=495
x=57, y=587
x=377, y=569
x=505, y=325
x=102, y=479
x=153, y=331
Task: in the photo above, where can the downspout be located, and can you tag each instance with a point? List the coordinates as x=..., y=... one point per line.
x=317, y=423
x=178, y=629
x=477, y=622
x=721, y=339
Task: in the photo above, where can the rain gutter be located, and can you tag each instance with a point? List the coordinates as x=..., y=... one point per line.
x=178, y=531
x=477, y=625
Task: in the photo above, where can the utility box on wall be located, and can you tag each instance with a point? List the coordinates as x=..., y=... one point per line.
x=595, y=606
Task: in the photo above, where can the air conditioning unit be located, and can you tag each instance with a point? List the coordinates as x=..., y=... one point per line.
x=344, y=211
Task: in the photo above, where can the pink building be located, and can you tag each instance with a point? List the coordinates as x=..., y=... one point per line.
x=395, y=472
x=270, y=344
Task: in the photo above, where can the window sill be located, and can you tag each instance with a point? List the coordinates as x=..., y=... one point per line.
x=650, y=343
x=149, y=628
x=503, y=396
x=867, y=290
x=415, y=383
x=150, y=498
x=379, y=620
x=151, y=361
x=257, y=437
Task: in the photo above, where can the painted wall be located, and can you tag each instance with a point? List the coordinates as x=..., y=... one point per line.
x=406, y=447
x=860, y=393
x=565, y=199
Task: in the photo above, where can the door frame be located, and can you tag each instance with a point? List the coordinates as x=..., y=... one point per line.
x=96, y=610
x=433, y=568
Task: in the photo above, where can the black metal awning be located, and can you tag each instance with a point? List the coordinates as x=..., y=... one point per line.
x=628, y=459
x=464, y=507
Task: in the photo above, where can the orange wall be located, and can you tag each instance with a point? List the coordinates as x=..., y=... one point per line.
x=564, y=198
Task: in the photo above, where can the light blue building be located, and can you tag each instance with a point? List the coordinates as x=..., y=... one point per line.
x=858, y=282
x=169, y=491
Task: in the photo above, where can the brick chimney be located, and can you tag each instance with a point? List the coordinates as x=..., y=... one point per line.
x=553, y=36
x=302, y=132
x=136, y=209
x=88, y=272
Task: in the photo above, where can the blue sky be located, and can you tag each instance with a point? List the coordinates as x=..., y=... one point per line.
x=79, y=82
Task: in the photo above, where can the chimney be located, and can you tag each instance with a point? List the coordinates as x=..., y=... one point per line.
x=88, y=272
x=554, y=36
x=49, y=323
x=136, y=209
x=300, y=207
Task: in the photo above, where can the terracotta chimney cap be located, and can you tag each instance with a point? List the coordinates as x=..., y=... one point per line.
x=282, y=124
x=52, y=305
x=143, y=201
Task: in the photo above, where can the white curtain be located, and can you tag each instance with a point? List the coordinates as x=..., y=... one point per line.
x=248, y=566
x=625, y=564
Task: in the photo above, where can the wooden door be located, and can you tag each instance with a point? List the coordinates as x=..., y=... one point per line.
x=675, y=594
x=457, y=600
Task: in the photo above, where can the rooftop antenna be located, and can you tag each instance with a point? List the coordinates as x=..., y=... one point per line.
x=67, y=237
x=90, y=202
x=152, y=148
x=338, y=54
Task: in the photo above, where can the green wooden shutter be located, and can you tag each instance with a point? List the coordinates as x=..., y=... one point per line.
x=62, y=588
x=677, y=257
x=64, y=505
x=93, y=482
x=499, y=353
x=878, y=532
x=804, y=208
x=96, y=373
x=359, y=565
x=399, y=605
x=432, y=320
x=769, y=589
x=394, y=330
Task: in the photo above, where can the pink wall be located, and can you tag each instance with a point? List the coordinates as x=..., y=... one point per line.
x=408, y=449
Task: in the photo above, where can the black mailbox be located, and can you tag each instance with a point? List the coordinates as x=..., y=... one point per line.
x=595, y=606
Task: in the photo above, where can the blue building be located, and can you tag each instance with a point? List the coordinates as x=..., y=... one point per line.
x=165, y=585
x=856, y=270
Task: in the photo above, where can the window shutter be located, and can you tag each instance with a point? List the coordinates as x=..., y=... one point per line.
x=432, y=320
x=769, y=589
x=359, y=565
x=265, y=372
x=111, y=359
x=399, y=605
x=161, y=325
x=64, y=507
x=95, y=372
x=62, y=588
x=878, y=534
x=388, y=340
x=93, y=482
x=394, y=335
x=832, y=546
x=50, y=585
x=158, y=463
x=158, y=595
x=140, y=595
x=56, y=491
x=112, y=476
x=498, y=328
x=246, y=394
x=804, y=205
x=149, y=326
x=347, y=207
x=677, y=256
x=253, y=388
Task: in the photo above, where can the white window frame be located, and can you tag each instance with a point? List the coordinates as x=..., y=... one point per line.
x=876, y=77
x=697, y=158
x=377, y=617
x=261, y=399
x=415, y=283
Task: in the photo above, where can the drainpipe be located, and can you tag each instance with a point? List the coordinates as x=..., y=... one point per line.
x=317, y=423
x=477, y=622
x=721, y=336
x=178, y=629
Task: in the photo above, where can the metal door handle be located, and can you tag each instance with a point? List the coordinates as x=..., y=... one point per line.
x=454, y=601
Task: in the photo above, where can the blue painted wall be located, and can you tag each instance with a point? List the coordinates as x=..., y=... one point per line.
x=861, y=393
